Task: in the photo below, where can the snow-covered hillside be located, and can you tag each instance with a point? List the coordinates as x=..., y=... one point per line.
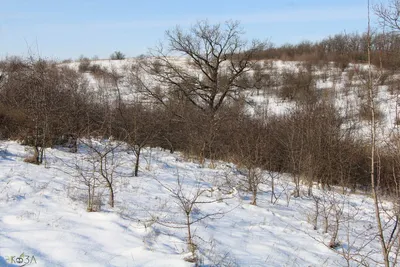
x=344, y=88
x=178, y=210
x=43, y=216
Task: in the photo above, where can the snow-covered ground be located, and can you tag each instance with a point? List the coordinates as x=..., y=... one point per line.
x=43, y=215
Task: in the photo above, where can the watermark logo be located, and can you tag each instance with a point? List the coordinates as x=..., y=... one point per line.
x=21, y=260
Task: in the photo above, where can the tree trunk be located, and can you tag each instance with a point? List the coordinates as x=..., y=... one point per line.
x=171, y=147
x=41, y=155
x=189, y=232
x=326, y=223
x=111, y=200
x=137, y=161
x=315, y=221
x=254, y=202
x=272, y=189
x=89, y=203
x=36, y=154
x=333, y=243
x=309, y=190
x=296, y=192
x=371, y=99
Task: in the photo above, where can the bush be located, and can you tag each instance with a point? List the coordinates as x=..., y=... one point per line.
x=297, y=86
x=65, y=61
x=84, y=65
x=95, y=68
x=117, y=55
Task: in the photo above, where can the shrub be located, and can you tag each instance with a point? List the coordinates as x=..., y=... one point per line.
x=298, y=86
x=84, y=65
x=117, y=55
x=95, y=68
x=65, y=61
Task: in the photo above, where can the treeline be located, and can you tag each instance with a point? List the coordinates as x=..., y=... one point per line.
x=206, y=116
x=342, y=49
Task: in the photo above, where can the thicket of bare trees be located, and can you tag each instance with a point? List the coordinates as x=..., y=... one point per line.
x=203, y=115
x=345, y=48
x=42, y=104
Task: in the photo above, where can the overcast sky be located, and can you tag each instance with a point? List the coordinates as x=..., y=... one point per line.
x=61, y=29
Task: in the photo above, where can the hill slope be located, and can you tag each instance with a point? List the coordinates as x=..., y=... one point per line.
x=43, y=215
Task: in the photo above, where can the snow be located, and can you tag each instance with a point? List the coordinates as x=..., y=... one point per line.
x=43, y=214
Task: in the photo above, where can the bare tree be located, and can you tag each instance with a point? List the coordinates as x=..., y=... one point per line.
x=189, y=198
x=84, y=170
x=334, y=213
x=202, y=66
x=389, y=15
x=371, y=102
x=105, y=164
x=141, y=129
x=250, y=147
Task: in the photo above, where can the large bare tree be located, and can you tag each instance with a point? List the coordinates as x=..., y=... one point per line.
x=217, y=57
x=204, y=66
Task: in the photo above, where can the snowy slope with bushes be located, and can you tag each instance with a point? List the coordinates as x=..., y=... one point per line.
x=343, y=86
x=43, y=215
